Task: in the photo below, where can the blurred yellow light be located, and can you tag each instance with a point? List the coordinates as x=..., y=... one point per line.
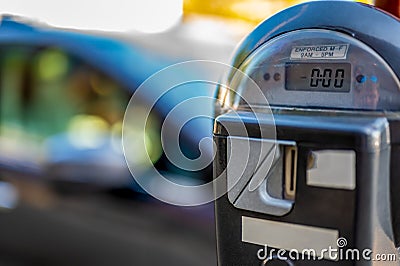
x=87, y=131
x=258, y=10
x=153, y=144
x=142, y=150
x=250, y=10
x=253, y=11
x=143, y=143
x=52, y=64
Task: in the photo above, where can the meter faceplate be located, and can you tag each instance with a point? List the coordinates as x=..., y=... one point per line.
x=318, y=68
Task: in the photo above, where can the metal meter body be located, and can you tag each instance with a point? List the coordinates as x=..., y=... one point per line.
x=319, y=134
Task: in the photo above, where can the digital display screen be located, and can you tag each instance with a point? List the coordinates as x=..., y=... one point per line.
x=328, y=77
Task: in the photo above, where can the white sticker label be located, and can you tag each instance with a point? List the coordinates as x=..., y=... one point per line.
x=330, y=51
x=289, y=236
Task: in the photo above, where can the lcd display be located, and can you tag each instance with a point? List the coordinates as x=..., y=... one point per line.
x=329, y=77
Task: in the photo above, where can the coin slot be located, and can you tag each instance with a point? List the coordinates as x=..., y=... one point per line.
x=290, y=172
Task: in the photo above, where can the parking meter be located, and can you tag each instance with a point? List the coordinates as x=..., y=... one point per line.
x=310, y=155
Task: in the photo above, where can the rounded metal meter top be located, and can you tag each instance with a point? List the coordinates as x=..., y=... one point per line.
x=315, y=68
x=325, y=54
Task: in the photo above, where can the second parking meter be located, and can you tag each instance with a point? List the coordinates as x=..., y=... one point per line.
x=307, y=140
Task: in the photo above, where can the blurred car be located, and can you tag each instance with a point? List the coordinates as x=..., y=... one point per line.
x=66, y=195
x=63, y=99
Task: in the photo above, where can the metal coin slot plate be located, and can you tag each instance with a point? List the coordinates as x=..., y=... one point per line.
x=261, y=175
